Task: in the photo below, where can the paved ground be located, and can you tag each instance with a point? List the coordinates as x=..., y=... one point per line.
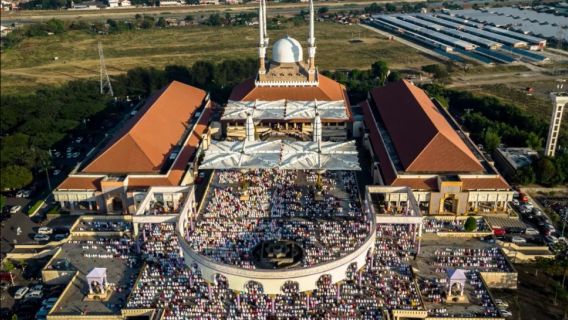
x=121, y=272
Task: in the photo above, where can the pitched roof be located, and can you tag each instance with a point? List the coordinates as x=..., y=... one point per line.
x=482, y=183
x=80, y=183
x=144, y=144
x=327, y=90
x=423, y=139
x=417, y=183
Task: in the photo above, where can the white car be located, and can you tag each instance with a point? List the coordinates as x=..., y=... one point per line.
x=38, y=288
x=506, y=313
x=57, y=154
x=532, y=232
x=56, y=172
x=76, y=155
x=15, y=209
x=34, y=295
x=516, y=202
x=45, y=230
x=79, y=139
x=518, y=240
x=551, y=239
x=41, y=237
x=20, y=293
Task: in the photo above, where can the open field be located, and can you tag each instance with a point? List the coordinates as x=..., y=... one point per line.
x=32, y=63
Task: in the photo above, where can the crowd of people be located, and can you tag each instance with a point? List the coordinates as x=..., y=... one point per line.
x=482, y=259
x=384, y=283
x=320, y=212
x=435, y=290
x=104, y=226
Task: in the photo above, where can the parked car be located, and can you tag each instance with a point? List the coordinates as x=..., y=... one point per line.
x=516, y=202
x=37, y=288
x=501, y=303
x=41, y=237
x=505, y=313
x=23, y=194
x=56, y=172
x=532, y=232
x=499, y=232
x=518, y=240
x=76, y=155
x=42, y=313
x=45, y=230
x=20, y=293
x=49, y=303
x=15, y=209
x=79, y=139
x=34, y=295
x=57, y=154
x=551, y=239
x=60, y=236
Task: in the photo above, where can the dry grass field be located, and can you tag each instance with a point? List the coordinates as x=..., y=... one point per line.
x=59, y=58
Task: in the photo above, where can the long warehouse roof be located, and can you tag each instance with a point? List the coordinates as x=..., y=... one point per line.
x=433, y=34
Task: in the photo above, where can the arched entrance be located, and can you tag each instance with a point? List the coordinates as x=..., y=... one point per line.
x=449, y=204
x=116, y=205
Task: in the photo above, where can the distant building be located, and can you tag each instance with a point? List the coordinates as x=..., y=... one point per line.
x=417, y=144
x=510, y=160
x=164, y=3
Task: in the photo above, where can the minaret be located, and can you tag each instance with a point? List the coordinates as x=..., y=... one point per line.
x=559, y=100
x=249, y=128
x=312, y=46
x=317, y=128
x=264, y=16
x=261, y=40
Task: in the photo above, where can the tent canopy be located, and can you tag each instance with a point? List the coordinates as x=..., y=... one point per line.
x=289, y=155
x=284, y=110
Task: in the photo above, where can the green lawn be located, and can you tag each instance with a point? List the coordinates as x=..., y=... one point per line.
x=32, y=63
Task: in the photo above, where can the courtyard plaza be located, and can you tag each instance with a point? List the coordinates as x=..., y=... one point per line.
x=321, y=213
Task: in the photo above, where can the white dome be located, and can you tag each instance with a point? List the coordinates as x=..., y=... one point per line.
x=287, y=50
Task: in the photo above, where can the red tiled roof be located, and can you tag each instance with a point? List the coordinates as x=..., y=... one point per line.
x=422, y=138
x=145, y=143
x=327, y=90
x=484, y=183
x=387, y=171
x=81, y=183
x=417, y=183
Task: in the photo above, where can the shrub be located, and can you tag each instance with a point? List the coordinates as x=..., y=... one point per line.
x=470, y=224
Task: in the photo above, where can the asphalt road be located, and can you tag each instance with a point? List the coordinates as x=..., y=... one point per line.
x=31, y=16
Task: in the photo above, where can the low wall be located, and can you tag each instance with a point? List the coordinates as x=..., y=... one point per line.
x=500, y=280
x=273, y=280
x=53, y=277
x=452, y=234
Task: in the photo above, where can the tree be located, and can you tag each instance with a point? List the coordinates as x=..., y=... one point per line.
x=8, y=265
x=189, y=18
x=390, y=7
x=470, y=224
x=525, y=175
x=380, y=71
x=161, y=22
x=323, y=10
x=491, y=140
x=394, y=76
x=534, y=141
x=15, y=177
x=546, y=172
